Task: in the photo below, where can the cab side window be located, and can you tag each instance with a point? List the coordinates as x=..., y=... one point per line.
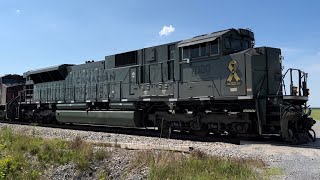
x=244, y=44
x=199, y=50
x=235, y=44
x=203, y=49
x=185, y=54
x=227, y=43
x=214, y=47
x=195, y=51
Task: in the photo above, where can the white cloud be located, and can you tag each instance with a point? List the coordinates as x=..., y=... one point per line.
x=167, y=30
x=18, y=11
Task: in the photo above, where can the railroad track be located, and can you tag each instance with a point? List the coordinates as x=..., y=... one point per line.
x=147, y=132
x=151, y=132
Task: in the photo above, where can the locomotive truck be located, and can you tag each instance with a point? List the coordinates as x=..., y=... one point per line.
x=213, y=83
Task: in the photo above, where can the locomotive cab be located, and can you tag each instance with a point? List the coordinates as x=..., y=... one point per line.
x=10, y=85
x=218, y=43
x=235, y=42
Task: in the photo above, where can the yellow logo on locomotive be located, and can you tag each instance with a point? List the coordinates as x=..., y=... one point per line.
x=233, y=79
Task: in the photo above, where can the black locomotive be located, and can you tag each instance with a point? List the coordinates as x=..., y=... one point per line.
x=214, y=83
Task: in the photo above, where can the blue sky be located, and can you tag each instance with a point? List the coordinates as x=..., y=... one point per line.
x=35, y=34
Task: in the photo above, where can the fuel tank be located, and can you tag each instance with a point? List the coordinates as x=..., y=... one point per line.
x=107, y=118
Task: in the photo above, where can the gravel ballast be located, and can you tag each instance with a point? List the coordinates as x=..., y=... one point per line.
x=296, y=162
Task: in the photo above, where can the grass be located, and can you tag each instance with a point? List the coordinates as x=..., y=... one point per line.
x=170, y=165
x=315, y=114
x=26, y=157
x=103, y=174
x=273, y=172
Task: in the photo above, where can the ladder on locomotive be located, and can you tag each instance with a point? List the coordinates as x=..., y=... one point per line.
x=12, y=108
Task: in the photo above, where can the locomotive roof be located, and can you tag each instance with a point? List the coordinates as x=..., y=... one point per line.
x=47, y=69
x=11, y=76
x=203, y=38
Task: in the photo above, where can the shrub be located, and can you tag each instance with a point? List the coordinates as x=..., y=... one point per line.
x=100, y=154
x=197, y=165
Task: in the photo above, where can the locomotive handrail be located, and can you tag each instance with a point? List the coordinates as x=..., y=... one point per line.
x=23, y=94
x=300, y=86
x=9, y=108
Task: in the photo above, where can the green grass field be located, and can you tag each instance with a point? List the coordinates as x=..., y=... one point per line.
x=198, y=165
x=27, y=157
x=316, y=114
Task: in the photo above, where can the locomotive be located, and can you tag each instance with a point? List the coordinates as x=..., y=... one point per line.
x=213, y=83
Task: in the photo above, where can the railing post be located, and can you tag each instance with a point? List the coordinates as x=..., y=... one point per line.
x=299, y=82
x=291, y=83
x=85, y=93
x=161, y=71
x=120, y=90
x=97, y=92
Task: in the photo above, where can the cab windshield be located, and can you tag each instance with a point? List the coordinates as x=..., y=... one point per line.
x=236, y=44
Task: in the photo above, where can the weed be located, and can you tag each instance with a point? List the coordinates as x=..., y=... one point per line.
x=76, y=143
x=103, y=174
x=273, y=172
x=116, y=145
x=16, y=152
x=34, y=129
x=199, y=154
x=197, y=165
x=83, y=156
x=101, y=154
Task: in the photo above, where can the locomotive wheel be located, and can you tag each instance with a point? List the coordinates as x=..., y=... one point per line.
x=54, y=121
x=292, y=138
x=201, y=133
x=164, y=129
x=217, y=135
x=30, y=120
x=166, y=132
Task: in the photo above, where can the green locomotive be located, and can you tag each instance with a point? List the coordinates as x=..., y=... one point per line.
x=214, y=83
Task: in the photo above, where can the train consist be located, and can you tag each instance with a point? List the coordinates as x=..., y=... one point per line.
x=214, y=83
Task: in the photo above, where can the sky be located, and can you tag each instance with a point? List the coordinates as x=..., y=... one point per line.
x=36, y=34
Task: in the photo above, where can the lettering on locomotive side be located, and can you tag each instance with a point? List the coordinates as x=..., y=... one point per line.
x=109, y=76
x=105, y=77
x=201, y=69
